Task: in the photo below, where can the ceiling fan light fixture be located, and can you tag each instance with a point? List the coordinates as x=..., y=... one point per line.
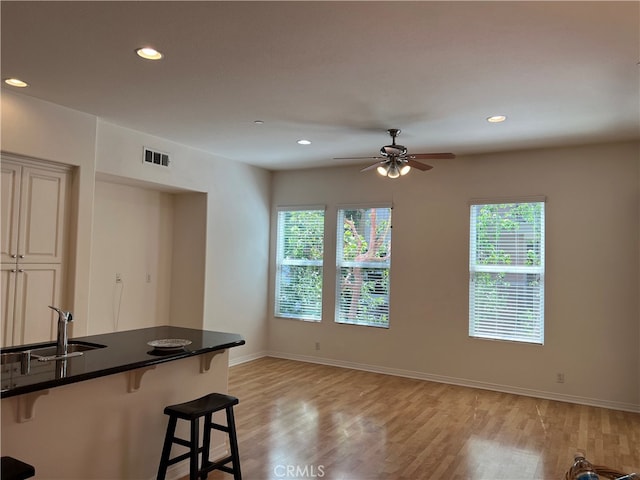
x=383, y=170
x=394, y=171
x=394, y=161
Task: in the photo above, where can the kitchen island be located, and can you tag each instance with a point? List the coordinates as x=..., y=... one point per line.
x=100, y=414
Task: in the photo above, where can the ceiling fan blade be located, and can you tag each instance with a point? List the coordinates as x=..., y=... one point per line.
x=418, y=165
x=357, y=158
x=431, y=156
x=371, y=167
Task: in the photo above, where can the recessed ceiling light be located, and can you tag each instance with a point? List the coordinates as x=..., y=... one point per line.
x=304, y=142
x=258, y=122
x=16, y=82
x=496, y=118
x=149, y=53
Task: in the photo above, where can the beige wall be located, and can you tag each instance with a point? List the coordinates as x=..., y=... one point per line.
x=132, y=237
x=592, y=313
x=188, y=267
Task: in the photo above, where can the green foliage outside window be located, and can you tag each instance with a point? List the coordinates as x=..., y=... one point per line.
x=493, y=221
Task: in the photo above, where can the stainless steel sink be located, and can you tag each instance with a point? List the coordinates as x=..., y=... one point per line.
x=73, y=347
x=46, y=352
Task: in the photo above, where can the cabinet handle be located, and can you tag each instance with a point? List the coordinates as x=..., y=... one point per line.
x=21, y=256
x=13, y=256
x=13, y=270
x=20, y=271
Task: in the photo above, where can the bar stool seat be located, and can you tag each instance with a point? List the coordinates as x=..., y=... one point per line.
x=192, y=411
x=14, y=469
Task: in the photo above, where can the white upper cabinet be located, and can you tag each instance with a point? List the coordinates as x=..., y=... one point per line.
x=34, y=205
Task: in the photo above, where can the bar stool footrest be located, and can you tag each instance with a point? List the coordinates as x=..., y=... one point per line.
x=219, y=465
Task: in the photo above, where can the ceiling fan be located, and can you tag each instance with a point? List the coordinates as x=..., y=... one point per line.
x=396, y=161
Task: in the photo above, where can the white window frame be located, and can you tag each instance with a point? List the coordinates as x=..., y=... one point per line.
x=375, y=264
x=282, y=262
x=505, y=322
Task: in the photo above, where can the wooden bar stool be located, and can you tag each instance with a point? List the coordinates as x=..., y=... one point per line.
x=192, y=411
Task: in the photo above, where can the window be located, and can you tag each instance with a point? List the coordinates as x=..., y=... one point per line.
x=299, y=261
x=363, y=261
x=506, y=271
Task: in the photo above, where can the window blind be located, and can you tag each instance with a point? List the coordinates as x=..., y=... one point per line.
x=299, y=264
x=506, y=271
x=363, y=261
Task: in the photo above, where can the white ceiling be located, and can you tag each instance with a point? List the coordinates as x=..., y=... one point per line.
x=337, y=73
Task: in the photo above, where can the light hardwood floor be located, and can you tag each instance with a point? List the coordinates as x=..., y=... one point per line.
x=299, y=420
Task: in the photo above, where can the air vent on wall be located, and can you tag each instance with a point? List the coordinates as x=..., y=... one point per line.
x=155, y=157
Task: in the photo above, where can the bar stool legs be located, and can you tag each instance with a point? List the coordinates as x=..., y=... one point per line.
x=234, y=457
x=166, y=448
x=193, y=457
x=192, y=411
x=233, y=441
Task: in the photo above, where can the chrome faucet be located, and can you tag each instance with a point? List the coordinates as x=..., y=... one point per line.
x=62, y=341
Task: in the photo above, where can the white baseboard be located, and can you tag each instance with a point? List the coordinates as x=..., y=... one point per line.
x=593, y=402
x=247, y=358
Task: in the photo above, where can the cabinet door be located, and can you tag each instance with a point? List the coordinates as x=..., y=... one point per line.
x=8, y=283
x=37, y=287
x=10, y=204
x=43, y=201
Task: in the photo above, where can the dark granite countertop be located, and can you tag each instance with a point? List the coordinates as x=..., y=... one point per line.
x=123, y=351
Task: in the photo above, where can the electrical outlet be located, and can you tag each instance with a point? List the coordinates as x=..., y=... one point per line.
x=317, y=345
x=118, y=278
x=560, y=378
